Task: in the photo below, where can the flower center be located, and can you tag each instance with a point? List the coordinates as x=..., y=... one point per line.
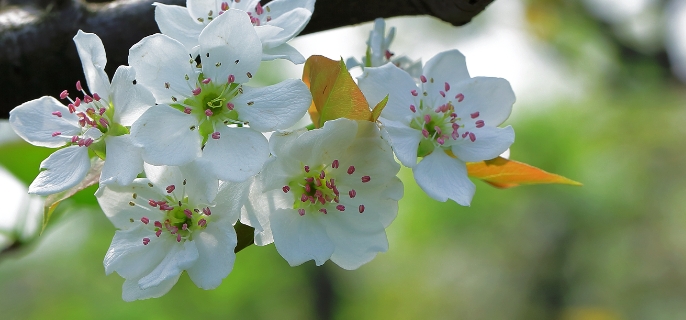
x=181, y=217
x=439, y=121
x=315, y=188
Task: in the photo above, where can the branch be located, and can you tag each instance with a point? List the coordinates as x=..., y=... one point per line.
x=38, y=56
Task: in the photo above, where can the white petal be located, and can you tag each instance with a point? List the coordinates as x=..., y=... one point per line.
x=490, y=142
x=491, y=97
x=130, y=258
x=291, y=23
x=177, y=23
x=244, y=5
x=284, y=51
x=231, y=40
x=93, y=59
x=300, y=238
x=167, y=136
x=130, y=100
x=275, y=107
x=201, y=185
x=115, y=201
x=325, y=144
x=279, y=7
x=230, y=199
x=62, y=170
x=201, y=8
x=160, y=60
x=215, y=255
x=443, y=178
x=35, y=123
x=404, y=140
x=123, y=162
x=181, y=257
x=358, y=237
x=131, y=291
x=448, y=66
x=267, y=32
x=388, y=79
x=237, y=155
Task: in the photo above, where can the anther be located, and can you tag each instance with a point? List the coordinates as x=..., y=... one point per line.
x=455, y=126
x=184, y=226
x=87, y=99
x=438, y=130
x=72, y=108
x=56, y=133
x=88, y=142
x=202, y=222
x=96, y=96
x=178, y=238
x=196, y=91
x=57, y=113
x=474, y=115
x=307, y=169
x=249, y=75
x=206, y=81
x=425, y=133
x=472, y=136
x=229, y=106
x=188, y=213
x=64, y=94
x=158, y=233
x=145, y=220
x=340, y=207
x=322, y=210
x=442, y=93
x=303, y=198
x=351, y=169
x=225, y=6
x=423, y=78
x=447, y=87
x=170, y=188
x=78, y=85
x=77, y=102
x=74, y=139
x=286, y=189
x=322, y=174
x=440, y=140
x=258, y=9
x=414, y=93
x=207, y=211
x=352, y=193
x=361, y=209
x=102, y=111
x=413, y=108
x=152, y=203
x=459, y=97
x=308, y=189
x=187, y=110
x=104, y=122
x=231, y=78
x=480, y=123
x=208, y=112
x=146, y=241
x=366, y=178
x=301, y=212
x=427, y=118
x=334, y=165
x=216, y=135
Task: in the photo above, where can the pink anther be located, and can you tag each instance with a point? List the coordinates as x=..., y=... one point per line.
x=78, y=85
x=188, y=213
x=57, y=113
x=146, y=241
x=413, y=108
x=216, y=135
x=207, y=211
x=340, y=207
x=145, y=220
x=286, y=189
x=56, y=133
x=187, y=110
x=208, y=112
x=322, y=210
x=64, y=94
x=366, y=178
x=352, y=193
x=480, y=123
x=472, y=136
x=206, y=80
x=414, y=93
x=225, y=6
x=474, y=115
x=170, y=188
x=301, y=212
x=334, y=165
x=96, y=96
x=259, y=9
x=459, y=97
x=230, y=106
x=232, y=78
x=361, y=209
x=351, y=169
x=422, y=78
x=196, y=91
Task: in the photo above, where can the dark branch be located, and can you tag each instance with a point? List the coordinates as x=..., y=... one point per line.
x=38, y=57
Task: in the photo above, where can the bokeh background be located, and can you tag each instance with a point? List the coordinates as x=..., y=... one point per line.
x=601, y=100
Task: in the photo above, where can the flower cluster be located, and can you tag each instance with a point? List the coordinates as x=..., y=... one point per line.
x=181, y=131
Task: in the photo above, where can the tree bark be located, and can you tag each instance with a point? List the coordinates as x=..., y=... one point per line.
x=38, y=56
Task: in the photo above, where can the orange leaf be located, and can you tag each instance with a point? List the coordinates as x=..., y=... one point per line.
x=504, y=173
x=334, y=92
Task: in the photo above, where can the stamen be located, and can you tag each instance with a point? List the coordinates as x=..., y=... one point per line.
x=366, y=178
x=286, y=189
x=102, y=111
x=361, y=209
x=188, y=213
x=207, y=211
x=225, y=6
x=472, y=136
x=322, y=210
x=230, y=106
x=459, y=97
x=447, y=87
x=64, y=94
x=78, y=85
x=427, y=118
x=307, y=169
x=208, y=112
x=187, y=110
x=152, y=203
x=308, y=189
x=87, y=99
x=56, y=133
x=351, y=169
x=352, y=193
x=215, y=135
x=170, y=188
x=414, y=93
x=57, y=113
x=422, y=78
x=334, y=165
x=196, y=91
x=178, y=238
x=425, y=133
x=231, y=78
x=303, y=198
x=413, y=108
x=442, y=93
x=340, y=207
x=322, y=174
x=145, y=220
x=158, y=233
x=77, y=102
x=96, y=96
x=88, y=142
x=206, y=81
x=146, y=241
x=438, y=130
x=301, y=212
x=440, y=140
x=202, y=223
x=480, y=123
x=258, y=9
x=104, y=122
x=474, y=115
x=72, y=108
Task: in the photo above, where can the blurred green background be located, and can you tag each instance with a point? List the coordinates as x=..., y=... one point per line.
x=612, y=249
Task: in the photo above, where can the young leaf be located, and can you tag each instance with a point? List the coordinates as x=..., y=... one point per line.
x=334, y=92
x=53, y=200
x=504, y=173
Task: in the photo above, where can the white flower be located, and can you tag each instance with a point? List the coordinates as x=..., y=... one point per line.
x=448, y=113
x=378, y=52
x=177, y=219
x=97, y=122
x=328, y=193
x=204, y=110
x=275, y=23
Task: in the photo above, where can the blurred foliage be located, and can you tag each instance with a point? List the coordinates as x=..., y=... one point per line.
x=612, y=249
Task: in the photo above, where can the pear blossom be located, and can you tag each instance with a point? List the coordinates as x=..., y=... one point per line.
x=205, y=112
x=447, y=120
x=176, y=219
x=327, y=193
x=275, y=23
x=378, y=52
x=95, y=121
